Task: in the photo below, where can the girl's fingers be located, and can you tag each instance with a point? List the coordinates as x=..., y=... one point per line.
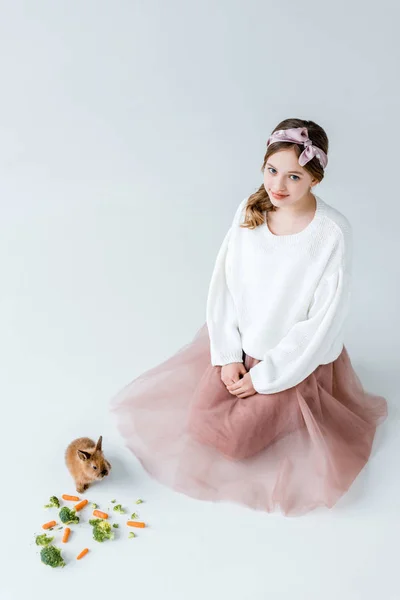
x=237, y=393
x=235, y=385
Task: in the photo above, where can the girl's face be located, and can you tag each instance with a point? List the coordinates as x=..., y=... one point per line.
x=283, y=175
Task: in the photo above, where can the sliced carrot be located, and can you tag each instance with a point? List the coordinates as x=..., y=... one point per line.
x=49, y=524
x=136, y=524
x=82, y=554
x=65, y=537
x=81, y=505
x=73, y=498
x=99, y=513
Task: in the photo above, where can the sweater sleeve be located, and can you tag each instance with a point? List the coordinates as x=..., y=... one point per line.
x=306, y=344
x=222, y=322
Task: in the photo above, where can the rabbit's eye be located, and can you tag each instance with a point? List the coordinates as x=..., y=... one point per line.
x=94, y=467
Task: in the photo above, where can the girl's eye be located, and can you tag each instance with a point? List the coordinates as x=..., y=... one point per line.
x=94, y=467
x=297, y=177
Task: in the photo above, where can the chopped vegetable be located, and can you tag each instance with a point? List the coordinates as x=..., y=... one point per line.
x=99, y=513
x=49, y=525
x=81, y=505
x=131, y=534
x=118, y=508
x=113, y=501
x=60, y=528
x=101, y=530
x=73, y=498
x=134, y=516
x=82, y=554
x=115, y=525
x=54, y=501
x=139, y=501
x=66, y=535
x=67, y=515
x=135, y=524
x=94, y=505
x=51, y=556
x=43, y=539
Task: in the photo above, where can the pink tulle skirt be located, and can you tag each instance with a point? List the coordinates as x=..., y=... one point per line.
x=290, y=451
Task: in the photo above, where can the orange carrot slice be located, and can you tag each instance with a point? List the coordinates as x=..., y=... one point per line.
x=49, y=524
x=65, y=537
x=136, y=524
x=82, y=554
x=81, y=505
x=73, y=498
x=100, y=514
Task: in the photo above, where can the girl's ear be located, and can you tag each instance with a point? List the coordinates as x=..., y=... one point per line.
x=84, y=455
x=98, y=445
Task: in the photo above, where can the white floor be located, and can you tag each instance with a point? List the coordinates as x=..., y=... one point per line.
x=191, y=549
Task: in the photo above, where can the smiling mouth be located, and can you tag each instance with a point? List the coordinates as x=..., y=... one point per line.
x=279, y=195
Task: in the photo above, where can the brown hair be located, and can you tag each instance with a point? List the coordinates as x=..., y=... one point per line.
x=260, y=202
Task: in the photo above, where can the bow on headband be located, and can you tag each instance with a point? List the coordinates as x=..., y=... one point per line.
x=299, y=135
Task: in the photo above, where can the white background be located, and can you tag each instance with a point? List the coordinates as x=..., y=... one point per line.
x=129, y=133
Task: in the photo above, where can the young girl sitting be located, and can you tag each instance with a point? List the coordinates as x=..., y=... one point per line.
x=263, y=406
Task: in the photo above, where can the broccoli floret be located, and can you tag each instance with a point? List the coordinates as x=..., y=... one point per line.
x=54, y=501
x=51, y=556
x=115, y=525
x=94, y=505
x=43, y=540
x=131, y=534
x=134, y=516
x=101, y=530
x=118, y=508
x=113, y=501
x=68, y=515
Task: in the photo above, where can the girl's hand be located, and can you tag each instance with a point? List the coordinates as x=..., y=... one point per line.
x=231, y=373
x=242, y=388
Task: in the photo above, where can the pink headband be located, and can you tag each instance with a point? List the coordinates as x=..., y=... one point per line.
x=299, y=135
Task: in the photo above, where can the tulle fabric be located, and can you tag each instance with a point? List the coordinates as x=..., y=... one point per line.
x=291, y=451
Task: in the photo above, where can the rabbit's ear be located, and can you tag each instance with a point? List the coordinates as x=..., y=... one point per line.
x=84, y=455
x=98, y=445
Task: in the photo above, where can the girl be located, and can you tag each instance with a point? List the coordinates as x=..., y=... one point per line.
x=263, y=406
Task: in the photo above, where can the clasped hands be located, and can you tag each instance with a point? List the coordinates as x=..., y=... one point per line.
x=230, y=376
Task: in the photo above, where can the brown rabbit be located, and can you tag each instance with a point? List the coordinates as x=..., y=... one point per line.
x=86, y=463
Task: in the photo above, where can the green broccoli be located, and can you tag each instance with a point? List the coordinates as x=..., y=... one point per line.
x=43, y=539
x=134, y=516
x=101, y=530
x=115, y=525
x=94, y=505
x=51, y=556
x=113, y=501
x=139, y=501
x=118, y=508
x=54, y=501
x=131, y=534
x=68, y=516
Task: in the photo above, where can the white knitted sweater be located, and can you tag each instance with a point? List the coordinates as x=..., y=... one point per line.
x=282, y=299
